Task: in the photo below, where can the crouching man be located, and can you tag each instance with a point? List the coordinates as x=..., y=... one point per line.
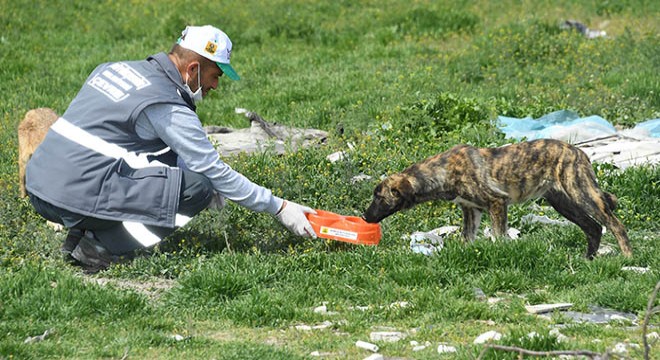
x=129, y=161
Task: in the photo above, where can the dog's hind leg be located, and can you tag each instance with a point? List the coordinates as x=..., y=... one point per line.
x=471, y=221
x=615, y=225
x=602, y=212
x=597, y=204
x=577, y=214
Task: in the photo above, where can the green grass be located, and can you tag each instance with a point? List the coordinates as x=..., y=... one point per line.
x=404, y=80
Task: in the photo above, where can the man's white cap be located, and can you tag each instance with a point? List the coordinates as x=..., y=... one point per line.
x=212, y=43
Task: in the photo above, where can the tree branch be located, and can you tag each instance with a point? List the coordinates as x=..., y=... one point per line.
x=521, y=351
x=649, y=311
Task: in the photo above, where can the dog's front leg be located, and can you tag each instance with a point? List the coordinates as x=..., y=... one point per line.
x=498, y=217
x=471, y=220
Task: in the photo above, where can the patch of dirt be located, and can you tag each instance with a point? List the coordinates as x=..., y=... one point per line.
x=152, y=288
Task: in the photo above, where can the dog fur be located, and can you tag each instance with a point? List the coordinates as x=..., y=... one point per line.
x=489, y=179
x=31, y=132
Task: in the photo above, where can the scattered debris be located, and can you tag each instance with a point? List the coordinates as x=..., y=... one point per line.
x=600, y=315
x=416, y=346
x=399, y=305
x=261, y=136
x=304, y=327
x=637, y=269
x=375, y=357
x=359, y=178
x=542, y=219
x=444, y=349
x=622, y=151
x=479, y=294
x=545, y=308
x=367, y=346
x=558, y=335
x=512, y=233
x=320, y=354
x=336, y=156
x=622, y=348
x=340, y=155
x=487, y=336
x=386, y=336
x=152, y=288
x=34, y=339
x=598, y=138
x=494, y=300
x=430, y=242
x=583, y=29
x=323, y=309
x=605, y=250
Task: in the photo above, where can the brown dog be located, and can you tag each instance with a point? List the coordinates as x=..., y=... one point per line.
x=31, y=132
x=492, y=178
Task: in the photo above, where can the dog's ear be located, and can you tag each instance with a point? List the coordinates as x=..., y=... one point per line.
x=405, y=192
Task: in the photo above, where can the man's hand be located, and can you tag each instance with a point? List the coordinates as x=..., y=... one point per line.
x=217, y=202
x=292, y=216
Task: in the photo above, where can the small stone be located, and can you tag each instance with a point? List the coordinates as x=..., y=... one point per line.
x=620, y=348
x=374, y=357
x=560, y=337
x=487, y=336
x=320, y=354
x=323, y=325
x=479, y=294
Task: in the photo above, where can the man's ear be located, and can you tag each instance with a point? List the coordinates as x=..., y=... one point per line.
x=193, y=66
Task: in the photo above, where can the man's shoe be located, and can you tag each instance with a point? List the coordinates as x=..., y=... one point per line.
x=70, y=243
x=92, y=255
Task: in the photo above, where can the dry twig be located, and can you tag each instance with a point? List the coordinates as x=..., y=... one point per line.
x=650, y=310
x=521, y=352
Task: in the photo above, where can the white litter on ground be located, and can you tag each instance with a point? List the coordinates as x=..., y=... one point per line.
x=487, y=337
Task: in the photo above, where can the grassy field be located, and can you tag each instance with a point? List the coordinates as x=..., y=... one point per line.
x=404, y=80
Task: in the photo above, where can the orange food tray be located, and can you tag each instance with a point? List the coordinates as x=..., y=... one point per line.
x=351, y=229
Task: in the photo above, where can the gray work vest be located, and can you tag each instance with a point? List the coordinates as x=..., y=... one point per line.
x=93, y=163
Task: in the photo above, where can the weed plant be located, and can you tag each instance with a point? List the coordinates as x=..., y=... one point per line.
x=398, y=82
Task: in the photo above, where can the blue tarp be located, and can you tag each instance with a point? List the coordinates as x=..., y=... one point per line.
x=568, y=126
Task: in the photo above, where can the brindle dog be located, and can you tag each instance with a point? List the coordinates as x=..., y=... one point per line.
x=479, y=179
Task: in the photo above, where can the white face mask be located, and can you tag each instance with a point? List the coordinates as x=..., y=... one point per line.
x=197, y=95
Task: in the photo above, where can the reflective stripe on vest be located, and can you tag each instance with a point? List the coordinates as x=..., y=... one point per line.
x=83, y=138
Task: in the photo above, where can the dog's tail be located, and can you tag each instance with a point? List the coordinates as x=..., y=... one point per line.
x=611, y=200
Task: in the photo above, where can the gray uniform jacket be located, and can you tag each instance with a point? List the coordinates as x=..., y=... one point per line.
x=92, y=162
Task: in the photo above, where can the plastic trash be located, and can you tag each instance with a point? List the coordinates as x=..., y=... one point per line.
x=367, y=346
x=430, y=242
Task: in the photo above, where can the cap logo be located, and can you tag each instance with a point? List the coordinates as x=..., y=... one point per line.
x=211, y=47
